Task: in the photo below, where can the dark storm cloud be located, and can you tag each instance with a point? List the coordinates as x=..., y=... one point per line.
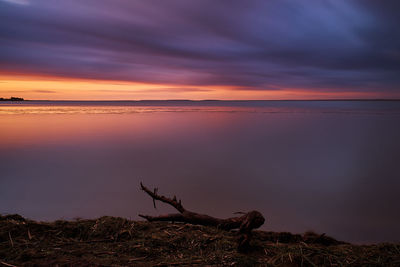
x=264, y=45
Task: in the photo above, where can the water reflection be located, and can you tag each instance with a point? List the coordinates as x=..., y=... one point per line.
x=329, y=172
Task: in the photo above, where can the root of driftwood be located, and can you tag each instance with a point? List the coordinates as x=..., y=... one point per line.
x=244, y=223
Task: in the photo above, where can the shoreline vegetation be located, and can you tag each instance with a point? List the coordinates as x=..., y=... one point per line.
x=114, y=241
x=12, y=99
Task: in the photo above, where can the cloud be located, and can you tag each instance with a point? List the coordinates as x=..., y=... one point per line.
x=45, y=91
x=259, y=45
x=155, y=90
x=18, y=2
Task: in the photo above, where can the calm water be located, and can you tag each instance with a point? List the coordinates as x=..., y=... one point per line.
x=328, y=166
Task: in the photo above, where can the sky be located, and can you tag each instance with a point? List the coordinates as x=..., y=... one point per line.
x=204, y=49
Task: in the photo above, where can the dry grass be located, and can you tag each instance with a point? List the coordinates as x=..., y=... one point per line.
x=110, y=241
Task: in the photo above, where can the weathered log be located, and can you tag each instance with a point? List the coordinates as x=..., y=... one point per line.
x=245, y=223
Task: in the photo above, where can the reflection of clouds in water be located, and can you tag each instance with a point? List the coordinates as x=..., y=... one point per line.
x=107, y=110
x=326, y=172
x=126, y=107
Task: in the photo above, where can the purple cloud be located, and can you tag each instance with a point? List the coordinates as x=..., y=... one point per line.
x=264, y=45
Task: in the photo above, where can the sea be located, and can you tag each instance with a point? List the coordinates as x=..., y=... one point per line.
x=331, y=167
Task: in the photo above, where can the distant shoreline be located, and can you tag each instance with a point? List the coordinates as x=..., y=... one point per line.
x=12, y=99
x=203, y=101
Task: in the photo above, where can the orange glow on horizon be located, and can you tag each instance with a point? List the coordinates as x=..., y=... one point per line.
x=41, y=87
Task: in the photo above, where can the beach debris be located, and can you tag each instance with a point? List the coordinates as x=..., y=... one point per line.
x=245, y=223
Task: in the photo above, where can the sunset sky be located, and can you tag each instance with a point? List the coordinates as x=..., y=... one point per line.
x=98, y=49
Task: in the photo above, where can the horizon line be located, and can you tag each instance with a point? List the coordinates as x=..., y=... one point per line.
x=220, y=100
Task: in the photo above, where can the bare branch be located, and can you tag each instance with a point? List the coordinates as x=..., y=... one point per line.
x=245, y=223
x=176, y=217
x=155, y=196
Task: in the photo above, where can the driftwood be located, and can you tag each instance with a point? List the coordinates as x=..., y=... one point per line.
x=245, y=223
